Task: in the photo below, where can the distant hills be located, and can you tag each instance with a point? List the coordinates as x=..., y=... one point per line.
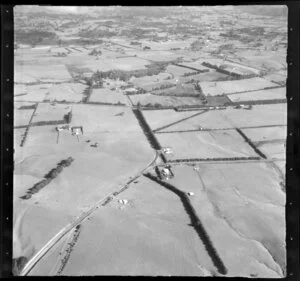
x=265, y=10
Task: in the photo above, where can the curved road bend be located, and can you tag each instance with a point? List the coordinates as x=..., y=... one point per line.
x=33, y=261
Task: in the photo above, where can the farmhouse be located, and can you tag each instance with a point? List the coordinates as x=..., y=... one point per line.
x=165, y=172
x=77, y=130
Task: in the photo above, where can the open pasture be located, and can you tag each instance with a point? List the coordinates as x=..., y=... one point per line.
x=270, y=94
x=51, y=112
x=148, y=99
x=178, y=70
x=107, y=64
x=95, y=118
x=26, y=73
x=22, y=116
x=34, y=93
x=72, y=92
x=236, y=86
x=274, y=150
x=160, y=118
x=157, y=55
x=178, y=90
x=145, y=80
x=154, y=85
x=106, y=95
x=206, y=144
x=259, y=115
x=195, y=64
x=266, y=134
x=212, y=75
x=235, y=194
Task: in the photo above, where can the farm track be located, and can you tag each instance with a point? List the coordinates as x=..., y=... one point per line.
x=219, y=129
x=195, y=222
x=33, y=261
x=179, y=121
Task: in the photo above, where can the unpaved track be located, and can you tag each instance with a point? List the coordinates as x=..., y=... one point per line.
x=33, y=261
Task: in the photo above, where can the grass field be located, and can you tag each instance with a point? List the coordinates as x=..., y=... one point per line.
x=72, y=92
x=266, y=134
x=107, y=64
x=177, y=70
x=223, y=218
x=39, y=72
x=107, y=95
x=278, y=93
x=139, y=81
x=178, y=90
x=145, y=99
x=212, y=75
x=34, y=93
x=260, y=115
x=22, y=116
x=49, y=112
x=160, y=118
x=206, y=144
x=227, y=87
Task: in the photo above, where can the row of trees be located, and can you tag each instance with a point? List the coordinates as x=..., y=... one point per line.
x=146, y=129
x=48, y=178
x=214, y=159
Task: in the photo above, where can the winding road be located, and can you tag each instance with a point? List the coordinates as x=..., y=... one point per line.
x=33, y=261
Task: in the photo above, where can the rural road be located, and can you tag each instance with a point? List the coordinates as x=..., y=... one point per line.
x=33, y=261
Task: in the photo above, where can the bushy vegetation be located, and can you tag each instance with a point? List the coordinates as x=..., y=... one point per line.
x=34, y=37
x=87, y=92
x=48, y=178
x=152, y=69
x=95, y=52
x=18, y=264
x=68, y=117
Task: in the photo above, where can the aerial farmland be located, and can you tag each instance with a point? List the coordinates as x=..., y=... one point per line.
x=150, y=141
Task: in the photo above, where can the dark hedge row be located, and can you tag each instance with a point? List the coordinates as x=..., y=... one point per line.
x=195, y=222
x=52, y=122
x=69, y=249
x=240, y=76
x=258, y=102
x=214, y=159
x=87, y=93
x=33, y=106
x=107, y=103
x=192, y=68
x=48, y=178
x=146, y=129
x=28, y=127
x=251, y=143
